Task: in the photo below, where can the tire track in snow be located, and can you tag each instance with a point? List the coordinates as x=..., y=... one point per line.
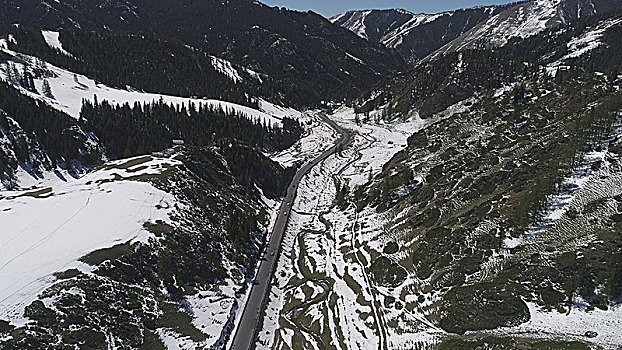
x=50, y=235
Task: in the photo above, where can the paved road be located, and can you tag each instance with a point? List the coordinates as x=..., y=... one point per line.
x=245, y=334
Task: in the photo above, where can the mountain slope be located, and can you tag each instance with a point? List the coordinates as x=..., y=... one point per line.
x=448, y=76
x=310, y=58
x=495, y=225
x=414, y=36
x=141, y=237
x=504, y=211
x=529, y=19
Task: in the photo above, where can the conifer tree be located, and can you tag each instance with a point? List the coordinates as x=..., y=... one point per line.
x=47, y=90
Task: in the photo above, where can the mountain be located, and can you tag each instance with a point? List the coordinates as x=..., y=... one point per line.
x=311, y=59
x=528, y=19
x=501, y=215
x=414, y=36
x=154, y=236
x=432, y=85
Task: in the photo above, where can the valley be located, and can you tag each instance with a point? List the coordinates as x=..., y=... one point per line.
x=275, y=179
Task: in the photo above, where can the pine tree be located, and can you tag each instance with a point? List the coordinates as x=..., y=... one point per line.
x=47, y=90
x=11, y=72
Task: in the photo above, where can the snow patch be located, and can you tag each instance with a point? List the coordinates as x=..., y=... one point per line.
x=52, y=39
x=607, y=324
x=70, y=89
x=590, y=40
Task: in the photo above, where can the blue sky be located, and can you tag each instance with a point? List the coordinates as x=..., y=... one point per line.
x=329, y=8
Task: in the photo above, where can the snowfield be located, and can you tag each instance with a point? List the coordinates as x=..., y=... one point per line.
x=606, y=324
x=51, y=38
x=48, y=229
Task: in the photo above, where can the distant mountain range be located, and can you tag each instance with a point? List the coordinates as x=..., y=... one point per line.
x=414, y=36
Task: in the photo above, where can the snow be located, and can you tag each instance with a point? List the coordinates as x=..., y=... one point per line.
x=522, y=21
x=339, y=252
x=590, y=40
x=226, y=68
x=394, y=38
x=385, y=140
x=560, y=203
x=70, y=89
x=338, y=17
x=51, y=38
x=354, y=58
x=357, y=24
x=318, y=137
x=574, y=325
x=174, y=340
x=46, y=230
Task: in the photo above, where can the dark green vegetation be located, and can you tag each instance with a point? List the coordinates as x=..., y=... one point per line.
x=140, y=287
x=433, y=85
x=386, y=273
x=132, y=130
x=487, y=170
x=305, y=54
x=148, y=63
x=490, y=306
x=39, y=137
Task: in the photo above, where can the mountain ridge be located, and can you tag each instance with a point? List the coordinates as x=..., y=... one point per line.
x=307, y=55
x=413, y=35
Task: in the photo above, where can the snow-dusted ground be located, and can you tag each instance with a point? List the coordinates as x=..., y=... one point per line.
x=559, y=204
x=317, y=138
x=590, y=40
x=225, y=67
x=384, y=141
x=332, y=261
x=523, y=21
x=46, y=230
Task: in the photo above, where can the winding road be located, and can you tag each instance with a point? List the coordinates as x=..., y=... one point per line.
x=251, y=316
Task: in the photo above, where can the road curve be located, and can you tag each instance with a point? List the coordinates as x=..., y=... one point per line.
x=247, y=328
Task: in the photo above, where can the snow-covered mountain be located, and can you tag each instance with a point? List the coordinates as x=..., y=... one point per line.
x=413, y=35
x=529, y=19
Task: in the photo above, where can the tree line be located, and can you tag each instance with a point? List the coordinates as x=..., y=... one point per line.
x=142, y=128
x=147, y=63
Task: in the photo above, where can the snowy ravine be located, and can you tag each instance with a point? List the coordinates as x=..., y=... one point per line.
x=322, y=292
